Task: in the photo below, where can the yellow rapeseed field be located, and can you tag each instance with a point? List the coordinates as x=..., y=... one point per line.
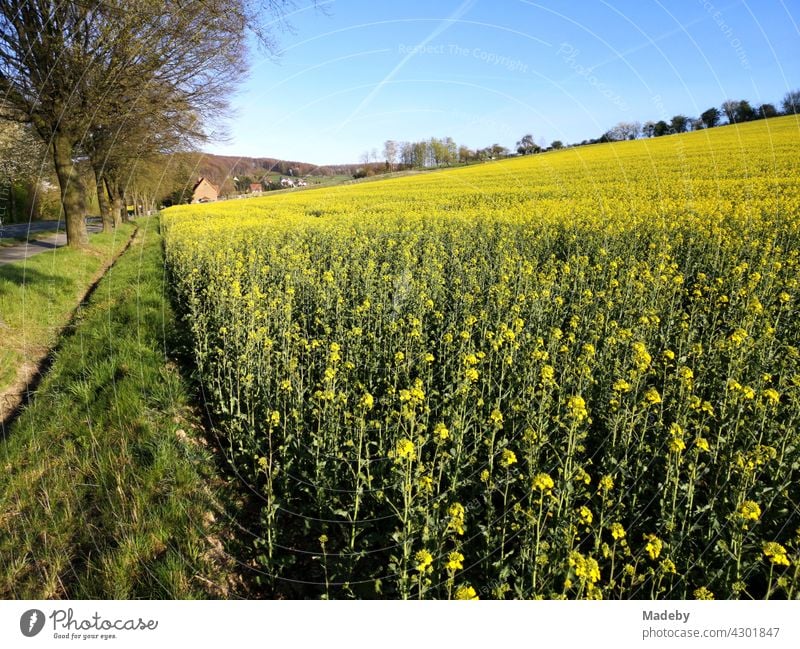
x=569, y=375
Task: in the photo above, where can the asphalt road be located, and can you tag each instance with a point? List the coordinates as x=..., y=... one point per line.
x=42, y=236
x=17, y=230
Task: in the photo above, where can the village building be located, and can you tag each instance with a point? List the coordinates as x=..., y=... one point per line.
x=204, y=191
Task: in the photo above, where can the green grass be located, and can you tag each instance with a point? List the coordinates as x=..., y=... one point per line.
x=101, y=495
x=7, y=242
x=38, y=295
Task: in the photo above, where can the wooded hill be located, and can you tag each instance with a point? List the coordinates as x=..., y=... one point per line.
x=222, y=169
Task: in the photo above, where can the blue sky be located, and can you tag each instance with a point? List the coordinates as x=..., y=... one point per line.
x=360, y=72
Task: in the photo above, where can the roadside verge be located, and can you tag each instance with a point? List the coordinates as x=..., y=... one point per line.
x=103, y=493
x=39, y=296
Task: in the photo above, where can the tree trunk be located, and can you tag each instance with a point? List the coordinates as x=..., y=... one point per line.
x=125, y=216
x=71, y=190
x=12, y=208
x=116, y=201
x=32, y=199
x=102, y=201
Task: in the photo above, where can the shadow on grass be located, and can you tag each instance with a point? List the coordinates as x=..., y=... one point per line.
x=96, y=463
x=37, y=243
x=31, y=278
x=43, y=284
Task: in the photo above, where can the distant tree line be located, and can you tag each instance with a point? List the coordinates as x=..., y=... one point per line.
x=732, y=111
x=424, y=154
x=439, y=152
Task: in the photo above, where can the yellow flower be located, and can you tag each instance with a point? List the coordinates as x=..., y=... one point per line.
x=654, y=546
x=703, y=593
x=621, y=385
x=676, y=445
x=668, y=567
x=426, y=483
x=543, y=482
x=466, y=592
x=275, y=418
x=582, y=476
x=404, y=449
x=424, y=561
x=641, y=358
x=772, y=396
x=776, y=553
x=652, y=396
x=441, y=432
x=496, y=417
x=456, y=523
x=507, y=458
x=617, y=531
x=586, y=568
x=366, y=401
x=738, y=337
x=606, y=483
x=455, y=561
x=702, y=444
x=576, y=408
x=585, y=515
x=750, y=511
x=417, y=393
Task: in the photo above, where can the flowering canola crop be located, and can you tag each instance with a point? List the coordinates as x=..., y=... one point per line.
x=569, y=375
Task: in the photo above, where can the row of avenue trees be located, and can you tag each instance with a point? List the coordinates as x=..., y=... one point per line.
x=119, y=85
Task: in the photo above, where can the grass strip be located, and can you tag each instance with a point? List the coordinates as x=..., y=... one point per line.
x=102, y=494
x=38, y=296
